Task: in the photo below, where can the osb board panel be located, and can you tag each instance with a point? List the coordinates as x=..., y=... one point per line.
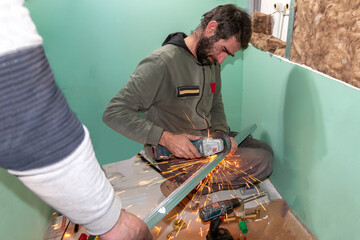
x=276, y=223
x=326, y=37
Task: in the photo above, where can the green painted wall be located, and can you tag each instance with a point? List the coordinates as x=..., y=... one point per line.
x=312, y=123
x=93, y=47
x=23, y=214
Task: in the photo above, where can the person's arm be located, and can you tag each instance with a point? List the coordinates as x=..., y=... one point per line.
x=137, y=96
x=127, y=227
x=69, y=179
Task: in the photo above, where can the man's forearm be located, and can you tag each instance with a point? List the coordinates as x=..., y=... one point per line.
x=119, y=116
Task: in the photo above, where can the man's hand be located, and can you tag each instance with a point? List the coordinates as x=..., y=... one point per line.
x=231, y=144
x=234, y=146
x=179, y=145
x=128, y=227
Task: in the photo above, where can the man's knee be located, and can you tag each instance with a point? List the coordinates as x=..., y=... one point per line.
x=257, y=162
x=255, y=143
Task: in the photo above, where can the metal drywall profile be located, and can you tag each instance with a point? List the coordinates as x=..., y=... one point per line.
x=290, y=30
x=158, y=213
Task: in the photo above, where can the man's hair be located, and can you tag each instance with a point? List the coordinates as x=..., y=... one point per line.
x=232, y=21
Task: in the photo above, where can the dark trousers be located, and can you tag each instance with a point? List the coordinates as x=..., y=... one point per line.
x=252, y=163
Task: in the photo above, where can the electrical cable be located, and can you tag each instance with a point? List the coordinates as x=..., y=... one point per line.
x=62, y=237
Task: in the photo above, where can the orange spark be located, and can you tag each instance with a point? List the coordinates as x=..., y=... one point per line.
x=158, y=229
x=173, y=216
x=201, y=232
x=263, y=206
x=67, y=235
x=188, y=224
x=189, y=119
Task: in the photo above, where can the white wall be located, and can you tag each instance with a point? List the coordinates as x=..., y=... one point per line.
x=279, y=15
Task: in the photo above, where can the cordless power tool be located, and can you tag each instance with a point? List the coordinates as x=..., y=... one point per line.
x=215, y=213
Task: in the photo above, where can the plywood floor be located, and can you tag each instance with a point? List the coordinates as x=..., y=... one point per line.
x=276, y=223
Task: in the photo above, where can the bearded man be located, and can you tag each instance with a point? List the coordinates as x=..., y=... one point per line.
x=178, y=90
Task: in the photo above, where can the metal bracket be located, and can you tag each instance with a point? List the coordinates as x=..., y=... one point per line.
x=290, y=30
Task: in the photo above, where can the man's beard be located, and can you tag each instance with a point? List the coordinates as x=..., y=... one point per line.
x=203, y=48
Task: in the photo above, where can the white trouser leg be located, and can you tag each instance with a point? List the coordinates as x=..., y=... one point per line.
x=76, y=187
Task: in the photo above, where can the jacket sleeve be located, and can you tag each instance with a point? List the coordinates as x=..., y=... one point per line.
x=218, y=117
x=123, y=113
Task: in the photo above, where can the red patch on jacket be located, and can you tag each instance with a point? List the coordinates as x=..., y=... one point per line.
x=212, y=85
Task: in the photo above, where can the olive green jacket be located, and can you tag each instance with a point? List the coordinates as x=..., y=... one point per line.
x=174, y=92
